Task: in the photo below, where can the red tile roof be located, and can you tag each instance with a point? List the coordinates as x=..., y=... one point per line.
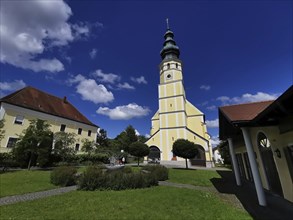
x=244, y=112
x=37, y=100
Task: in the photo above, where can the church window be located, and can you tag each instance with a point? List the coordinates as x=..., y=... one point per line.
x=169, y=76
x=176, y=65
x=168, y=65
x=19, y=119
x=11, y=142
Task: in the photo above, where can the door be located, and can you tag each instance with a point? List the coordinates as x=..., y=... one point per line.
x=269, y=164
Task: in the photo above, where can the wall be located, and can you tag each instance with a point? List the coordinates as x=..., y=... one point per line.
x=9, y=113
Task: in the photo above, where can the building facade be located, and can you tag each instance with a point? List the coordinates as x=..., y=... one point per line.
x=18, y=108
x=176, y=117
x=260, y=140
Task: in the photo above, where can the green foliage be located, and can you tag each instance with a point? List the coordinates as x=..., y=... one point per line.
x=142, y=138
x=125, y=139
x=34, y=145
x=88, y=146
x=2, y=131
x=63, y=176
x=224, y=151
x=158, y=171
x=100, y=178
x=96, y=158
x=102, y=138
x=185, y=149
x=138, y=150
x=63, y=149
x=7, y=160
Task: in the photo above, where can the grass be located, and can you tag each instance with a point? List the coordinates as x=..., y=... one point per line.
x=193, y=177
x=24, y=181
x=151, y=203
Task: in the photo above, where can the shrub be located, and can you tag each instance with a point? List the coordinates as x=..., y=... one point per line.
x=158, y=171
x=97, y=158
x=7, y=160
x=99, y=178
x=64, y=176
x=91, y=179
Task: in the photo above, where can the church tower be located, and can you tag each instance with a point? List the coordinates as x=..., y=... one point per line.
x=176, y=118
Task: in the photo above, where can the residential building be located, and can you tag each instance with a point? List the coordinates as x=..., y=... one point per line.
x=260, y=139
x=18, y=108
x=176, y=117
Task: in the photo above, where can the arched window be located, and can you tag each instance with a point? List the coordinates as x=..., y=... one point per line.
x=168, y=65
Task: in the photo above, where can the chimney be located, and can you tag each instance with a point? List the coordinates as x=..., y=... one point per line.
x=65, y=100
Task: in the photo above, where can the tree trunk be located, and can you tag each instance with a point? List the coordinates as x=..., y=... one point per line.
x=30, y=161
x=138, y=161
x=186, y=163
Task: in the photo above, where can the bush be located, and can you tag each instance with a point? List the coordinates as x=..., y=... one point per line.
x=97, y=158
x=158, y=171
x=64, y=176
x=100, y=178
x=7, y=160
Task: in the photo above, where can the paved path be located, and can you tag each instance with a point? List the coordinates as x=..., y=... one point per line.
x=36, y=195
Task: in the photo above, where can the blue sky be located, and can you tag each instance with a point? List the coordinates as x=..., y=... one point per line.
x=104, y=55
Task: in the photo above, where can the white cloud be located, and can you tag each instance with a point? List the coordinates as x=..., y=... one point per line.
x=246, y=98
x=139, y=80
x=212, y=107
x=212, y=123
x=205, y=87
x=124, y=112
x=147, y=135
x=29, y=28
x=91, y=91
x=125, y=86
x=12, y=86
x=93, y=53
x=106, y=77
x=214, y=141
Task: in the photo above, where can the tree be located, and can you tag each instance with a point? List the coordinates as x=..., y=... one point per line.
x=88, y=146
x=131, y=134
x=102, y=138
x=142, y=138
x=2, y=131
x=185, y=149
x=34, y=145
x=139, y=150
x=224, y=151
x=63, y=149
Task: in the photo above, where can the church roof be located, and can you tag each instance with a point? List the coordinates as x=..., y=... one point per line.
x=37, y=100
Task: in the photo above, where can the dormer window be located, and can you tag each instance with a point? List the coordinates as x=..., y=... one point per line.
x=19, y=119
x=62, y=128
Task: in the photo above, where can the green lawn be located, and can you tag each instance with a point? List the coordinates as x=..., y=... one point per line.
x=193, y=177
x=20, y=182
x=151, y=203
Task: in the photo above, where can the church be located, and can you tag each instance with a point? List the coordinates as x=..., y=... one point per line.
x=176, y=118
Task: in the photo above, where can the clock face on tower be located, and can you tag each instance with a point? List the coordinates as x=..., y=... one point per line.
x=169, y=76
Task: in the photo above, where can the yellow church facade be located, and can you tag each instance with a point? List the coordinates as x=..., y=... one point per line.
x=176, y=117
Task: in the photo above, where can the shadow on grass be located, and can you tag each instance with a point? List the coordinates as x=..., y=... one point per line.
x=277, y=207
x=181, y=168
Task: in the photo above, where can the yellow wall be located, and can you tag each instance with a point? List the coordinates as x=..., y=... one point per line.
x=278, y=141
x=176, y=118
x=13, y=130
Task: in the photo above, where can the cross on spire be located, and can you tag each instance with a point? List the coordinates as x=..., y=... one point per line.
x=167, y=20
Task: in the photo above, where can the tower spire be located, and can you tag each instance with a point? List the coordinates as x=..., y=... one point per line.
x=170, y=49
